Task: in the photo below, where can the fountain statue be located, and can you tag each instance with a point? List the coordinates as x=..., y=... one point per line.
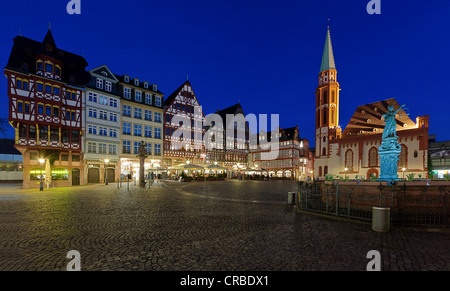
x=390, y=149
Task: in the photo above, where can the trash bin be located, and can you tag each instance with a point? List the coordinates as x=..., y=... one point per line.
x=381, y=219
x=291, y=198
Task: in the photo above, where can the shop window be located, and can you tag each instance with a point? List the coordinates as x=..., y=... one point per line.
x=60, y=174
x=35, y=174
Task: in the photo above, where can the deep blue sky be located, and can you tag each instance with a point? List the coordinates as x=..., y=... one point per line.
x=266, y=54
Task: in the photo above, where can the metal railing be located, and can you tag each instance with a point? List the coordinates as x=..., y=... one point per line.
x=410, y=205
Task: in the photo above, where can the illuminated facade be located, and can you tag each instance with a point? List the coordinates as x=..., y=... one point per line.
x=45, y=90
x=353, y=152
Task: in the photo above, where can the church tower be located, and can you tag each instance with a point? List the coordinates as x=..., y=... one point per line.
x=327, y=102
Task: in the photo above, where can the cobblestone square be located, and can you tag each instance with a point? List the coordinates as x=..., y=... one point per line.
x=199, y=226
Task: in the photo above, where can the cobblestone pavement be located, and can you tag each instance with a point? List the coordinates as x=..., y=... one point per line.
x=214, y=226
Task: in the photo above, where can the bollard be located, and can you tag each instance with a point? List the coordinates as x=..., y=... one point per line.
x=381, y=219
x=291, y=198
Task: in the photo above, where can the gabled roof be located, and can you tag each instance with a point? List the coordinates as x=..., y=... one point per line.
x=174, y=95
x=367, y=119
x=105, y=72
x=23, y=59
x=328, y=57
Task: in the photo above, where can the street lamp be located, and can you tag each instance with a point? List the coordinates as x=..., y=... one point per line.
x=403, y=169
x=106, y=171
x=346, y=169
x=41, y=184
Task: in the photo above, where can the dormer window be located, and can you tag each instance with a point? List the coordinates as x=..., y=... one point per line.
x=49, y=67
x=136, y=82
x=40, y=66
x=99, y=83
x=146, y=85
x=155, y=88
x=58, y=70
x=126, y=79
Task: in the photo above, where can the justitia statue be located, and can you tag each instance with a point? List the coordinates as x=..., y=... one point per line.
x=390, y=149
x=391, y=125
x=142, y=155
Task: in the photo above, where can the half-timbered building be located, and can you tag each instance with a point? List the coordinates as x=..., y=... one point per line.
x=183, y=128
x=45, y=90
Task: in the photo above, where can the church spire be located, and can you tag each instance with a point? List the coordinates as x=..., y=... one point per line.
x=328, y=57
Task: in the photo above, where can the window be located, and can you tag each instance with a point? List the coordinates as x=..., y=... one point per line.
x=157, y=149
x=40, y=87
x=113, y=117
x=138, y=96
x=137, y=130
x=137, y=144
x=102, y=148
x=127, y=93
x=54, y=133
x=148, y=148
x=103, y=100
x=22, y=130
x=19, y=106
x=157, y=116
x=99, y=83
x=92, y=113
x=32, y=132
x=126, y=147
x=43, y=132
x=65, y=135
x=48, y=110
x=127, y=128
x=92, y=97
x=148, y=131
x=108, y=86
x=126, y=79
x=158, y=133
x=64, y=157
x=148, y=115
x=103, y=131
x=40, y=109
x=145, y=85
x=403, y=158
x=39, y=66
x=169, y=118
x=113, y=102
x=148, y=98
x=74, y=96
x=56, y=111
x=416, y=154
x=27, y=107
x=373, y=157
x=92, y=147
x=103, y=115
x=56, y=90
x=112, y=149
x=48, y=89
x=113, y=133
x=18, y=83
x=92, y=129
x=48, y=67
x=126, y=111
x=25, y=85
x=138, y=113
x=155, y=88
x=136, y=82
x=75, y=158
x=158, y=101
x=349, y=160
x=57, y=70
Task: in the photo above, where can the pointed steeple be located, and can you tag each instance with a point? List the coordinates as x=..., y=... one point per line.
x=49, y=40
x=328, y=57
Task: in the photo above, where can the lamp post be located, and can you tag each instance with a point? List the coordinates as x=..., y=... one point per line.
x=106, y=171
x=346, y=169
x=403, y=169
x=41, y=184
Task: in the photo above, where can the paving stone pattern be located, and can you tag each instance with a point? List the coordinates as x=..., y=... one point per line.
x=198, y=226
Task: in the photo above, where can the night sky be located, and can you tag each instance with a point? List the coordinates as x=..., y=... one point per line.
x=267, y=54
